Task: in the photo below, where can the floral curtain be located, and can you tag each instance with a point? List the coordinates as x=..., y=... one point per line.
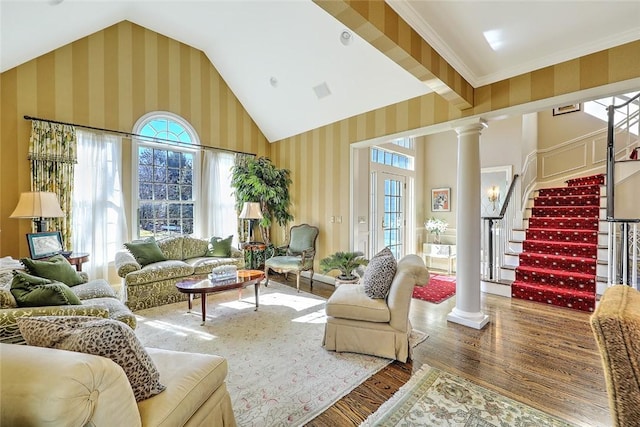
x=52, y=152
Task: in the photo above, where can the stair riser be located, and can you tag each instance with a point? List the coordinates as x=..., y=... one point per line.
x=511, y=259
x=581, y=212
x=567, y=201
x=587, y=180
x=569, y=191
x=565, y=282
x=563, y=235
x=564, y=223
x=587, y=266
x=560, y=249
x=553, y=298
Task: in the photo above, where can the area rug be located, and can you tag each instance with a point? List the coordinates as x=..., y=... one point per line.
x=437, y=398
x=279, y=373
x=439, y=288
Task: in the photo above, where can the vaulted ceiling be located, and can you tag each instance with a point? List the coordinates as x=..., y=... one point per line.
x=293, y=67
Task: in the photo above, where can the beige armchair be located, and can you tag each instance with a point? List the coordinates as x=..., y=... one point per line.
x=616, y=326
x=297, y=256
x=380, y=327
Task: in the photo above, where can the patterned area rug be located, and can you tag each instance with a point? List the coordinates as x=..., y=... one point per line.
x=279, y=373
x=436, y=398
x=440, y=288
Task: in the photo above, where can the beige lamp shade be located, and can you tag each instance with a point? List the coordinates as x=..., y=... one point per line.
x=251, y=210
x=38, y=204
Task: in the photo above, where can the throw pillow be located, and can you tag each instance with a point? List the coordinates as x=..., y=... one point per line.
x=379, y=274
x=56, y=268
x=102, y=337
x=145, y=251
x=220, y=247
x=32, y=291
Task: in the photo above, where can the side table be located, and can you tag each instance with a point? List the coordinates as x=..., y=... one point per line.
x=77, y=259
x=254, y=255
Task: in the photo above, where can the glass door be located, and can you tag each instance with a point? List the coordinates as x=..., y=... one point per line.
x=389, y=209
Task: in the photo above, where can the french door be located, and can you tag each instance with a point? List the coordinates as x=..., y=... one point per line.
x=389, y=213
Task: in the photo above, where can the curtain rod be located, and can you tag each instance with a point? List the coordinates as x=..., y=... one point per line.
x=135, y=135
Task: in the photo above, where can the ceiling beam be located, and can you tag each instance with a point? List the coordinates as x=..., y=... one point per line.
x=383, y=28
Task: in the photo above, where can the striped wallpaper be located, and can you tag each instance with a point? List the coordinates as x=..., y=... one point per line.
x=110, y=79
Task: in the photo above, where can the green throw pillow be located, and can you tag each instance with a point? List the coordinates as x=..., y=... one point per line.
x=220, y=247
x=56, y=269
x=145, y=251
x=32, y=291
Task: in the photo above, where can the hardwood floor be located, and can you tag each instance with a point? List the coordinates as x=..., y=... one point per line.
x=543, y=356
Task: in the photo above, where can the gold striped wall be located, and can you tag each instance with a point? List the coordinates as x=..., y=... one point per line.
x=319, y=159
x=110, y=79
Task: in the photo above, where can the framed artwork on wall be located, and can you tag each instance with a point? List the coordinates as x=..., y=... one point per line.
x=42, y=245
x=441, y=199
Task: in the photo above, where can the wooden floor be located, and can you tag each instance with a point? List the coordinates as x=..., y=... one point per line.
x=543, y=356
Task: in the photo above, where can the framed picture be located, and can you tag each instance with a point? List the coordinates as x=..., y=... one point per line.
x=440, y=199
x=567, y=109
x=42, y=245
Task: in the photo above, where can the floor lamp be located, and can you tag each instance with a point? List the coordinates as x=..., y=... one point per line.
x=38, y=205
x=250, y=211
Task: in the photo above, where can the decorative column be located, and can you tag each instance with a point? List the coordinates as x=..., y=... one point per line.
x=468, y=311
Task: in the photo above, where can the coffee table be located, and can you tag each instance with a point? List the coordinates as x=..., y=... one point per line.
x=205, y=285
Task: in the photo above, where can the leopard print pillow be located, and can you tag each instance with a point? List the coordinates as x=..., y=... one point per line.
x=102, y=337
x=379, y=274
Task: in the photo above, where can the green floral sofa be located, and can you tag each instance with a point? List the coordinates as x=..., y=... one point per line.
x=154, y=284
x=97, y=297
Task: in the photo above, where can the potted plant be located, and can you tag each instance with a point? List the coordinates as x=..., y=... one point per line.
x=348, y=263
x=436, y=226
x=259, y=180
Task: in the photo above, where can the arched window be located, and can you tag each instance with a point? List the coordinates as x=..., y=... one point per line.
x=165, y=176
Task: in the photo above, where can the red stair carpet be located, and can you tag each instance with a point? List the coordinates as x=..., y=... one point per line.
x=558, y=262
x=437, y=290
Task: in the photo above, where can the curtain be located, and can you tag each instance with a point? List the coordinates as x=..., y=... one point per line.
x=99, y=223
x=52, y=152
x=218, y=216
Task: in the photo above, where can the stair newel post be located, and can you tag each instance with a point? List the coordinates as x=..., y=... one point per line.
x=610, y=162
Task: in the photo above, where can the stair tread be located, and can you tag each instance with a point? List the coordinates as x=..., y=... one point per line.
x=558, y=243
x=550, y=271
x=559, y=257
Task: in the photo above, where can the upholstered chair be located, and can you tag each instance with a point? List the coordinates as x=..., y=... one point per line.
x=616, y=326
x=297, y=256
x=380, y=327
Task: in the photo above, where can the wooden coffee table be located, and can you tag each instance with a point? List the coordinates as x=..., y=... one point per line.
x=204, y=286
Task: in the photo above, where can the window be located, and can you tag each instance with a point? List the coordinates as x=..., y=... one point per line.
x=166, y=188
x=389, y=158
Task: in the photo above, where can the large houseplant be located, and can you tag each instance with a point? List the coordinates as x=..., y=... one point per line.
x=347, y=263
x=259, y=180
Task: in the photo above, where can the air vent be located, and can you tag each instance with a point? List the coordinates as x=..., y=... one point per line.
x=322, y=90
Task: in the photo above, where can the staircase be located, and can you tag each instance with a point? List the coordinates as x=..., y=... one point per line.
x=559, y=258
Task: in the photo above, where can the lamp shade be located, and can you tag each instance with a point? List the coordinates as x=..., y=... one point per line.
x=251, y=210
x=39, y=204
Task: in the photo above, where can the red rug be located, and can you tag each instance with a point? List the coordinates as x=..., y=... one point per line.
x=437, y=290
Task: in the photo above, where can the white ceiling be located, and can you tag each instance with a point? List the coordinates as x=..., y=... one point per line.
x=298, y=44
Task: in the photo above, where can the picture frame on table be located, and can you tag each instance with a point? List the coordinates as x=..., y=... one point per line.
x=441, y=199
x=572, y=108
x=44, y=244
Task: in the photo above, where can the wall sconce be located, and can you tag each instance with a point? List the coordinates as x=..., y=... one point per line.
x=250, y=210
x=38, y=205
x=494, y=195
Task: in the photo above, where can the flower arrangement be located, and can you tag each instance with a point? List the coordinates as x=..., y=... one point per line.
x=436, y=226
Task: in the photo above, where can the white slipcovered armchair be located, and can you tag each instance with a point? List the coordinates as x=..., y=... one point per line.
x=380, y=327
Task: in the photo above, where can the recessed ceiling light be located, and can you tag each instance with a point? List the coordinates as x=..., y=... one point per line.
x=55, y=2
x=346, y=37
x=494, y=38
x=273, y=81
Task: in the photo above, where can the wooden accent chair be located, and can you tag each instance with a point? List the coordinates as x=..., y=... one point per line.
x=297, y=256
x=616, y=326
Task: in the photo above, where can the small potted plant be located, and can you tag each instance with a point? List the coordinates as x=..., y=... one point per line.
x=350, y=265
x=436, y=226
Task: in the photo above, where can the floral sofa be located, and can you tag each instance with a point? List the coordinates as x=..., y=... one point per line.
x=97, y=297
x=153, y=284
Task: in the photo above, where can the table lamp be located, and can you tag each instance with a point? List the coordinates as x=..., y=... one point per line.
x=250, y=210
x=38, y=205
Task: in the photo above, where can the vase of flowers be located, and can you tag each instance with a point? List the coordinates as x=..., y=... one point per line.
x=436, y=227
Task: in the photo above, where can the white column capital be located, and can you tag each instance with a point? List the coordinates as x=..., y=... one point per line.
x=470, y=126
